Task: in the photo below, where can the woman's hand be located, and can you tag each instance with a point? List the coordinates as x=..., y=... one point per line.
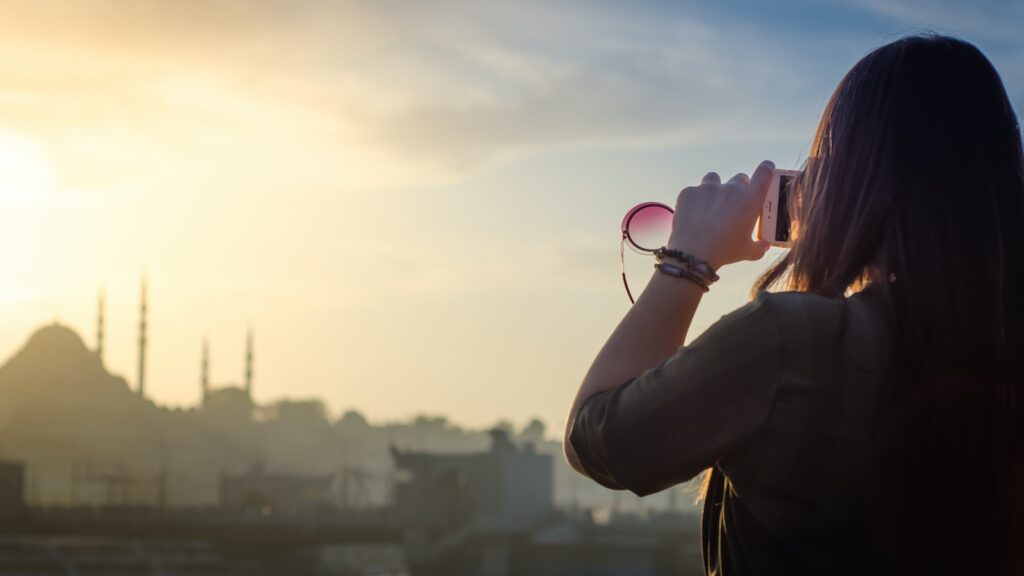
x=714, y=221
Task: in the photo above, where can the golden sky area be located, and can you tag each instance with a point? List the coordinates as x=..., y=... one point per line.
x=415, y=207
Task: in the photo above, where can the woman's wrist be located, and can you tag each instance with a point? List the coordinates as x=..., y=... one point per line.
x=682, y=264
x=668, y=284
x=699, y=251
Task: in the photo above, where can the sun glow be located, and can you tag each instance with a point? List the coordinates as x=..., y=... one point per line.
x=26, y=180
x=26, y=173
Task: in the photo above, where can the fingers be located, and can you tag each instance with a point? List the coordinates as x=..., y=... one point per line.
x=711, y=178
x=760, y=181
x=740, y=178
x=762, y=178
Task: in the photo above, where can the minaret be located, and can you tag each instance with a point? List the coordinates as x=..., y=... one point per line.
x=142, y=342
x=99, y=325
x=205, y=378
x=248, y=363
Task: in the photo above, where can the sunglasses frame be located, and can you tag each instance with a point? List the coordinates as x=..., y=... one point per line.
x=625, y=237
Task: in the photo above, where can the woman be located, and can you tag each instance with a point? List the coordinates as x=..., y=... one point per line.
x=869, y=419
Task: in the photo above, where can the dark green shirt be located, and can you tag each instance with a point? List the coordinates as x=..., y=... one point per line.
x=778, y=397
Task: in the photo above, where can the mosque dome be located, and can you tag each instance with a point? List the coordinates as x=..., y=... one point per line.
x=52, y=350
x=54, y=341
x=55, y=360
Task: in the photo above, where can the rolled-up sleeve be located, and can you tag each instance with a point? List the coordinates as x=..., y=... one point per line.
x=697, y=406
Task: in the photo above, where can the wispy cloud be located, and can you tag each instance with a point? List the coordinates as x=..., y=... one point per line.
x=394, y=86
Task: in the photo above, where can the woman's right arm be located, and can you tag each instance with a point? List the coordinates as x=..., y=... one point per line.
x=712, y=221
x=703, y=403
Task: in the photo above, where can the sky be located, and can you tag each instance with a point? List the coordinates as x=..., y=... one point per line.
x=414, y=206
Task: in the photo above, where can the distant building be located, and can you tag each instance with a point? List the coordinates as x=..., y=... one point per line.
x=506, y=488
x=308, y=412
x=491, y=514
x=12, y=489
x=261, y=492
x=231, y=404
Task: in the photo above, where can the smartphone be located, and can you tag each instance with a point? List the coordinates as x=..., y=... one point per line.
x=775, y=222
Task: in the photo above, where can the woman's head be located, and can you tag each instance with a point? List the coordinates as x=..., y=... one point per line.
x=917, y=157
x=915, y=184
x=915, y=188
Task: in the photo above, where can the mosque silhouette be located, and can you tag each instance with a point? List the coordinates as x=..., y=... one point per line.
x=231, y=399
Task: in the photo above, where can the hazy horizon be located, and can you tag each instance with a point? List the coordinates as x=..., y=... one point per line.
x=414, y=209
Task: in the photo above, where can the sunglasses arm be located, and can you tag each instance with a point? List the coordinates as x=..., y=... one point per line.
x=622, y=261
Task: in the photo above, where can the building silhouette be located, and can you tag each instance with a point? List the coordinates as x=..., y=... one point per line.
x=259, y=491
x=229, y=403
x=142, y=342
x=12, y=490
x=492, y=514
x=506, y=488
x=100, y=321
x=465, y=506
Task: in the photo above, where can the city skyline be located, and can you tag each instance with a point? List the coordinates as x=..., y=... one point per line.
x=205, y=384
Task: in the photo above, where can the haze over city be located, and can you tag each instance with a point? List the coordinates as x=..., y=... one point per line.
x=414, y=207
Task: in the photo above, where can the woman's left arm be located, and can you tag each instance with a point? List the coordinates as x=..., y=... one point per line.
x=712, y=221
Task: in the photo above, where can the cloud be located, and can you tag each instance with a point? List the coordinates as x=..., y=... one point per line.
x=568, y=75
x=397, y=93
x=392, y=91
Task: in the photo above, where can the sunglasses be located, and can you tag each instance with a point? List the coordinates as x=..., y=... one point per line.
x=645, y=228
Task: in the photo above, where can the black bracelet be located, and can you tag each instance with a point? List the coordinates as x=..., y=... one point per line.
x=665, y=251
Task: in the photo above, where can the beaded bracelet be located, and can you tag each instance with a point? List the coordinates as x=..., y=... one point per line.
x=666, y=252
x=692, y=268
x=680, y=272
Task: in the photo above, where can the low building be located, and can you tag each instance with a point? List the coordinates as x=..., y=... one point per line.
x=12, y=489
x=506, y=488
x=265, y=493
x=492, y=514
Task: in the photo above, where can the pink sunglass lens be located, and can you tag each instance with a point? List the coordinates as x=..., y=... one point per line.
x=649, y=227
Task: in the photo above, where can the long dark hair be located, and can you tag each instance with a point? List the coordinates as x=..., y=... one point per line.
x=914, y=190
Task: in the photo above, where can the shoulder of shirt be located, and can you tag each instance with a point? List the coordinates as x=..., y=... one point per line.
x=789, y=312
x=796, y=299
x=819, y=317
x=785, y=307
x=813, y=306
